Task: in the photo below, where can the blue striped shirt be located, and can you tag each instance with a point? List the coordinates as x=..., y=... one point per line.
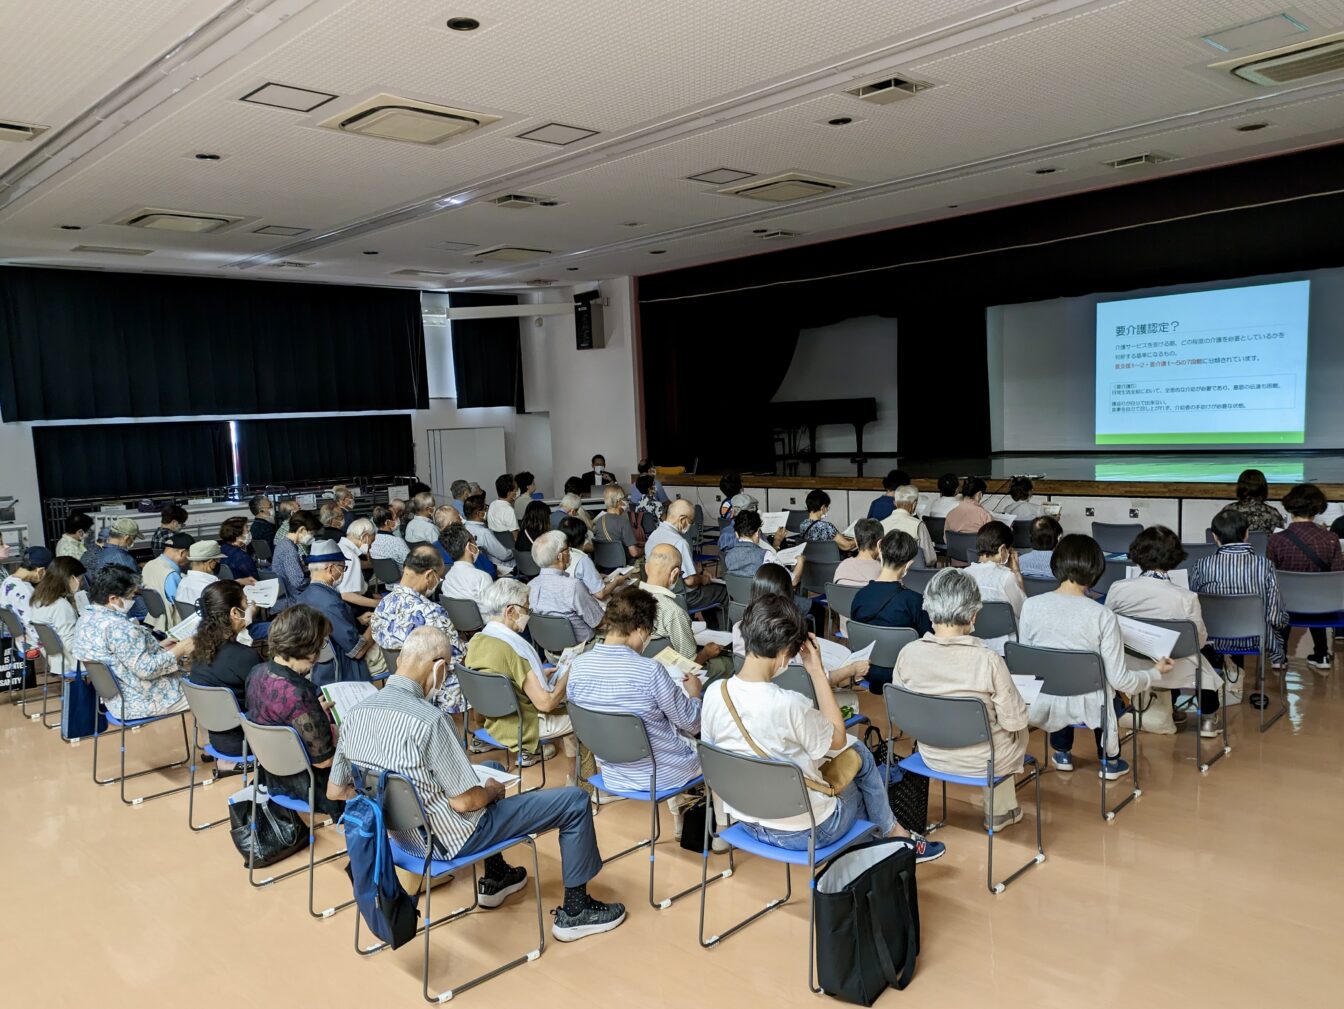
x=613, y=678
x=1237, y=569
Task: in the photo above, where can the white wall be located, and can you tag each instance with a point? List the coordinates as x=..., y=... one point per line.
x=18, y=477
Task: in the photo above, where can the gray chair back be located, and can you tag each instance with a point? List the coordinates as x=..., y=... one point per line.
x=1066, y=673
x=491, y=694
x=946, y=722
x=464, y=614
x=1259, y=540
x=736, y=611
x=655, y=646
x=392, y=656
x=759, y=788
x=261, y=550
x=739, y=587
x=1188, y=642
x=184, y=610
x=1241, y=616
x=1039, y=586
x=104, y=683
x=1022, y=534
x=402, y=809
x=1196, y=552
x=917, y=579
x=524, y=564
x=609, y=556
x=154, y=603
x=551, y=632
x=1115, y=572
x=961, y=547
x=1312, y=591
x=890, y=641
x=277, y=748
x=386, y=570
x=49, y=640
x=214, y=708
x=1115, y=537
x=840, y=598
x=796, y=518
x=816, y=575
x=615, y=738
x=996, y=620
x=738, y=662
x=225, y=573
x=796, y=678
x=937, y=528
x=822, y=552
x=13, y=625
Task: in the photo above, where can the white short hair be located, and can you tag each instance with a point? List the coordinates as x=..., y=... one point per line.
x=571, y=502
x=952, y=598
x=361, y=527
x=500, y=596
x=908, y=494
x=548, y=548
x=426, y=642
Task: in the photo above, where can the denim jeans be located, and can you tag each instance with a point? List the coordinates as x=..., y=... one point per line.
x=1062, y=739
x=864, y=798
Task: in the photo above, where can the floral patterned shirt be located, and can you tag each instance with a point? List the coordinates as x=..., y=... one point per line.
x=401, y=611
x=276, y=695
x=146, y=672
x=17, y=595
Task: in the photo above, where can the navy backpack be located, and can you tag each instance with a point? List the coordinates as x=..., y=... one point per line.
x=386, y=907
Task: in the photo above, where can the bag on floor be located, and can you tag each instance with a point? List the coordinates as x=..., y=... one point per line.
x=867, y=921
x=693, y=824
x=907, y=794
x=280, y=831
x=80, y=717
x=384, y=904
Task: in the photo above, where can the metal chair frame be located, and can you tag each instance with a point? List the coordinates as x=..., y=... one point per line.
x=14, y=629
x=1187, y=647
x=1221, y=624
x=51, y=648
x=486, y=694
x=896, y=638
x=107, y=688
x=839, y=601
x=205, y=704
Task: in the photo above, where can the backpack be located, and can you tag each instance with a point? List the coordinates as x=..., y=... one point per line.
x=386, y=907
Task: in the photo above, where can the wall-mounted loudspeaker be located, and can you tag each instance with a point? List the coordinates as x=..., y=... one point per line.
x=589, y=325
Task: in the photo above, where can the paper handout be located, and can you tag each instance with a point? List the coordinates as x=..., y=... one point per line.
x=1146, y=639
x=264, y=593
x=345, y=694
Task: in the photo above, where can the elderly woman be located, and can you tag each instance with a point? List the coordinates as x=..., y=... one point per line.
x=1252, y=494
x=146, y=671
x=751, y=715
x=613, y=525
x=817, y=528
x=996, y=572
x=1045, y=534
x=1067, y=618
x=234, y=539
x=1304, y=545
x=53, y=604
x=952, y=662
x=1154, y=596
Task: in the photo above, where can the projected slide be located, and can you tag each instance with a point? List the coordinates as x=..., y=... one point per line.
x=1224, y=367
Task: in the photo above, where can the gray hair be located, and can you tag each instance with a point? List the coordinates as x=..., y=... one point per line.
x=500, y=596
x=571, y=503
x=952, y=598
x=907, y=495
x=422, y=503
x=425, y=642
x=361, y=527
x=548, y=548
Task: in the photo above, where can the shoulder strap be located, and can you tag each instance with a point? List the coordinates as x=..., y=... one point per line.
x=732, y=710
x=1312, y=555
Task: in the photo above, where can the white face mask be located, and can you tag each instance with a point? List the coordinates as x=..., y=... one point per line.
x=305, y=538
x=437, y=679
x=247, y=537
x=522, y=622
x=363, y=550
x=121, y=605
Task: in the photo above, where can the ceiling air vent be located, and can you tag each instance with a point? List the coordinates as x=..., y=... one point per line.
x=511, y=254
x=114, y=250
x=1137, y=160
x=159, y=219
x=421, y=274
x=520, y=200
x=784, y=188
x=539, y=282
x=777, y=235
x=282, y=230
x=292, y=264
x=1290, y=65
x=888, y=90
x=20, y=132
x=388, y=117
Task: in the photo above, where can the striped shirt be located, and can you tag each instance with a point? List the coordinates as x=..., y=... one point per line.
x=1235, y=570
x=396, y=729
x=613, y=678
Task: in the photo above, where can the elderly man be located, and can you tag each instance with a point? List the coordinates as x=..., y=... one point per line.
x=204, y=557
x=398, y=730
x=355, y=544
x=121, y=536
x=291, y=545
x=284, y=511
x=905, y=499
x=345, y=500
x=398, y=506
x=263, y=519
x=387, y=543
x=701, y=590
x=164, y=573
x=421, y=528
x=333, y=521
x=500, y=555
x=459, y=491
x=464, y=579
x=662, y=568
x=407, y=606
x=558, y=593
x=326, y=568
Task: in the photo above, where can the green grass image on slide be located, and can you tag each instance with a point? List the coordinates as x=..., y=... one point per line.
x=1207, y=438
x=1213, y=471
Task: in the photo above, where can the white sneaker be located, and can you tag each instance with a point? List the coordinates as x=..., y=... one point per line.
x=528, y=758
x=475, y=745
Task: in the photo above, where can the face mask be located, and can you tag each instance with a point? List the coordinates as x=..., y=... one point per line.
x=522, y=622
x=305, y=538
x=121, y=605
x=437, y=679
x=247, y=538
x=363, y=550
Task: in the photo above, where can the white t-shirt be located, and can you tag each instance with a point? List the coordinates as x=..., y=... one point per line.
x=353, y=579
x=784, y=724
x=941, y=506
x=191, y=586
x=501, y=518
x=465, y=581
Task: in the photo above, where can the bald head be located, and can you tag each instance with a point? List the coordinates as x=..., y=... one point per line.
x=445, y=516
x=679, y=509
x=422, y=648
x=662, y=565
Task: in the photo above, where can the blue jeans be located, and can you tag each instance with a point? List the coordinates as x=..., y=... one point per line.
x=1062, y=739
x=566, y=808
x=864, y=798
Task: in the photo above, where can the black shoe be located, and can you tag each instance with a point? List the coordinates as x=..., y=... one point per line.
x=492, y=892
x=1257, y=701
x=594, y=918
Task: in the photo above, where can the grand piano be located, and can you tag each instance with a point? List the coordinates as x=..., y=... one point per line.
x=789, y=420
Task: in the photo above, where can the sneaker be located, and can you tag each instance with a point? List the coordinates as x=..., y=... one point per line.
x=1321, y=661
x=599, y=798
x=1279, y=664
x=926, y=850
x=527, y=758
x=1061, y=760
x=1112, y=770
x=1179, y=717
x=492, y=892
x=718, y=845
x=1211, y=726
x=478, y=746
x=594, y=918
x=997, y=822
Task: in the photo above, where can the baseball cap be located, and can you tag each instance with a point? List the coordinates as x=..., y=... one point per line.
x=38, y=557
x=124, y=527
x=179, y=541
x=204, y=550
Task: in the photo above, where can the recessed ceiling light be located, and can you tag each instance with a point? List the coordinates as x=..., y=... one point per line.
x=840, y=121
x=370, y=252
x=720, y=176
x=657, y=252
x=1046, y=171
x=72, y=227
x=1251, y=127
x=283, y=230
x=283, y=96
x=463, y=24
x=207, y=156
x=557, y=133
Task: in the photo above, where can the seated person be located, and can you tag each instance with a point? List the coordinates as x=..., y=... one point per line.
x=730, y=486
x=464, y=580
x=952, y=662
x=556, y=592
x=16, y=592
x=904, y=501
x=580, y=565
x=1305, y=546
x=701, y=589
x=164, y=573
x=220, y=659
x=647, y=468
x=500, y=555
x=536, y=520
x=969, y=515
x=1068, y=618
x=290, y=549
x=646, y=497
x=500, y=517
x=326, y=568
x=263, y=519
x=728, y=535
x=1021, y=505
x=746, y=553
x=1236, y=569
x=171, y=519
x=421, y=527
x=203, y=559
x=613, y=525
x=1045, y=533
x=882, y=505
x=75, y=540
x=599, y=476
x=345, y=500
x=146, y=671
x=526, y=483
x=662, y=568
x=121, y=536
x=817, y=528
x=885, y=602
x=387, y=544
x=284, y=511
x=356, y=544
x=947, y=499
x=234, y=540
x=1154, y=596
x=459, y=491
x=332, y=516
x=767, y=720
x=1252, y=492
x=408, y=605
x=865, y=566
x=571, y=501
x=53, y=604
x=398, y=729
x=280, y=691
x=996, y=573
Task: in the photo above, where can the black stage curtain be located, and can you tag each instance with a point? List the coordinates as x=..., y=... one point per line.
x=131, y=460
x=77, y=343
x=487, y=354
x=1059, y=248
x=325, y=448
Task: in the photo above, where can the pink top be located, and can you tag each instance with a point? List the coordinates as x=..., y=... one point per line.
x=966, y=517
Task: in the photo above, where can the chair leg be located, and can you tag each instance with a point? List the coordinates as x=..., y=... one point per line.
x=191, y=794
x=655, y=831
x=57, y=711
x=930, y=828
x=714, y=940
x=1035, y=860
x=1262, y=680
x=312, y=865
x=162, y=767
x=1199, y=740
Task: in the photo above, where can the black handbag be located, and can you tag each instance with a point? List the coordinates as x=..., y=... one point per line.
x=908, y=794
x=280, y=832
x=867, y=921
x=693, y=824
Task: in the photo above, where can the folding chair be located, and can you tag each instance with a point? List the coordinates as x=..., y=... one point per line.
x=1187, y=647
x=950, y=723
x=262, y=551
x=403, y=810
x=917, y=579
x=1258, y=538
x=524, y=566
x=492, y=696
x=1115, y=537
x=616, y=738
x=736, y=612
x=819, y=563
x=996, y=620
x=961, y=547
x=386, y=570
x=464, y=614
x=839, y=601
x=184, y=610
x=393, y=656
x=1313, y=598
x=154, y=605
x=767, y=790
x=1022, y=534
x=279, y=750
x=552, y=633
x=609, y=557
x=214, y=709
x=890, y=641
x=14, y=631
x=1115, y=572
x=1242, y=617
x=1039, y=586
x=796, y=678
x=55, y=655
x=1196, y=552
x=105, y=685
x=739, y=587
x=1071, y=674
x=937, y=529
x=655, y=646
x=797, y=516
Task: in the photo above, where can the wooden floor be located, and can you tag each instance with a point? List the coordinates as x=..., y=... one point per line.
x=1222, y=889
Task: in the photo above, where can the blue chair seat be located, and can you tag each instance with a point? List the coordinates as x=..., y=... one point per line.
x=915, y=764
x=1316, y=619
x=236, y=758
x=289, y=802
x=135, y=723
x=737, y=836
x=411, y=862
x=854, y=720
x=378, y=677
x=484, y=736
x=597, y=781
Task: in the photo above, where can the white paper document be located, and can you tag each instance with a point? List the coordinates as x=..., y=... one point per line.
x=484, y=774
x=697, y=626
x=1007, y=518
x=789, y=556
x=186, y=629
x=1179, y=577
x=264, y=593
x=345, y=694
x=773, y=522
x=835, y=655
x=400, y=491
x=722, y=638
x=1028, y=686
x=1154, y=642
x=308, y=502
x=620, y=573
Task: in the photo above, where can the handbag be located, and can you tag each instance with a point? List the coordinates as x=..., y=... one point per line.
x=80, y=717
x=280, y=832
x=693, y=824
x=907, y=794
x=838, y=771
x=867, y=911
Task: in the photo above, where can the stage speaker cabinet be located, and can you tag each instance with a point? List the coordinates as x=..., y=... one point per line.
x=590, y=329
